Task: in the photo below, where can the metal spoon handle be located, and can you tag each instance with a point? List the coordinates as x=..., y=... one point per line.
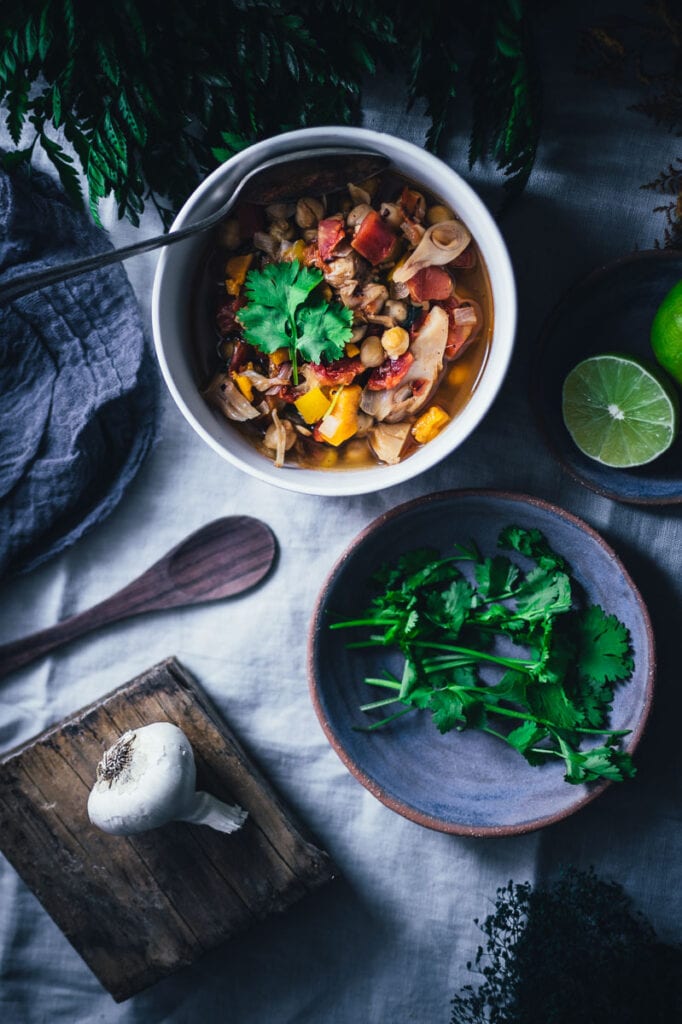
x=51, y=275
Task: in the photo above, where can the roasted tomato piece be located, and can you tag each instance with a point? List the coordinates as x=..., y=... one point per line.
x=390, y=373
x=465, y=322
x=242, y=355
x=430, y=283
x=226, y=315
x=340, y=371
x=467, y=259
x=409, y=200
x=375, y=239
x=330, y=232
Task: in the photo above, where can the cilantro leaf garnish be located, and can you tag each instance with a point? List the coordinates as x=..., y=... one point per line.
x=491, y=645
x=603, y=646
x=282, y=312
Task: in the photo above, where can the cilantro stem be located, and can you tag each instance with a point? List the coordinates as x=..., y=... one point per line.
x=477, y=655
x=383, y=682
x=364, y=622
x=383, y=721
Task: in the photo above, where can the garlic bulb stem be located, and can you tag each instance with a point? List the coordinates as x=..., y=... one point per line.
x=208, y=810
x=148, y=778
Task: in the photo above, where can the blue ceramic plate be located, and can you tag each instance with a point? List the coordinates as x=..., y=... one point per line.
x=466, y=783
x=609, y=311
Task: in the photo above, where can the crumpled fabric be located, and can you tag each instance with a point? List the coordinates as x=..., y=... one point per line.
x=78, y=392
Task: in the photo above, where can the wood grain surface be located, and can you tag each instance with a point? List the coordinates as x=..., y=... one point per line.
x=138, y=908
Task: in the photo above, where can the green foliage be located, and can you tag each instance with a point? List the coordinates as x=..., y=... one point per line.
x=572, y=951
x=153, y=94
x=282, y=312
x=558, y=682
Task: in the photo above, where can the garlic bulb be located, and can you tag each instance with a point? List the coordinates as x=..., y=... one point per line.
x=441, y=244
x=148, y=778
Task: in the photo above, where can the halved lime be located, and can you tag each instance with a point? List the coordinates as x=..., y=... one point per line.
x=619, y=411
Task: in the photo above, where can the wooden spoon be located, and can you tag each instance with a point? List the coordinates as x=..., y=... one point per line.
x=224, y=558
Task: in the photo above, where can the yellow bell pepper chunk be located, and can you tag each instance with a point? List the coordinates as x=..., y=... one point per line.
x=351, y=349
x=236, y=269
x=313, y=405
x=342, y=422
x=279, y=356
x=244, y=385
x=295, y=252
x=429, y=424
x=398, y=264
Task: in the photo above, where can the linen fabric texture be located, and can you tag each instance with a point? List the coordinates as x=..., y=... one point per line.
x=78, y=393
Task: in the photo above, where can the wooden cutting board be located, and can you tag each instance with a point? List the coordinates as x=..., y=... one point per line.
x=138, y=908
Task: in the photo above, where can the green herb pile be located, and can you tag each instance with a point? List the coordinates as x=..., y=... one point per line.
x=282, y=313
x=555, y=679
x=153, y=94
x=574, y=952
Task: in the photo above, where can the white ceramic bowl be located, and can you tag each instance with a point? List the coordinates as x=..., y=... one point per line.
x=176, y=270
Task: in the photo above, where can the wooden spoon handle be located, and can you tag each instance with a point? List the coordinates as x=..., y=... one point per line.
x=21, y=652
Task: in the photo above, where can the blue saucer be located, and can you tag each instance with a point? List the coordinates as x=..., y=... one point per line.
x=609, y=311
x=465, y=783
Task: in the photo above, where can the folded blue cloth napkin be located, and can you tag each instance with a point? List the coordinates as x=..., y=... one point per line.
x=78, y=387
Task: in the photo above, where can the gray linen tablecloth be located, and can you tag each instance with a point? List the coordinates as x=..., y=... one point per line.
x=389, y=942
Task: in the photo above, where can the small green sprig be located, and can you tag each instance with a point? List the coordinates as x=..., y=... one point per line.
x=554, y=687
x=282, y=312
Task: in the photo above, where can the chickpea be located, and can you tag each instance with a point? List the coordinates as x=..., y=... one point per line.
x=396, y=309
x=357, y=215
x=372, y=352
x=395, y=341
x=279, y=211
x=309, y=235
x=281, y=230
x=438, y=214
x=359, y=331
x=309, y=212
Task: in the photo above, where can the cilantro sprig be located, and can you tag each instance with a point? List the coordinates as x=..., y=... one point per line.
x=551, y=664
x=283, y=312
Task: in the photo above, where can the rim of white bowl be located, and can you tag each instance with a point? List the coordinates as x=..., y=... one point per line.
x=468, y=205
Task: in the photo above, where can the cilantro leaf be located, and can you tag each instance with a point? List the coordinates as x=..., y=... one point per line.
x=526, y=736
x=495, y=576
x=603, y=646
x=281, y=312
x=543, y=592
x=450, y=607
x=447, y=709
x=532, y=544
x=598, y=763
x=324, y=331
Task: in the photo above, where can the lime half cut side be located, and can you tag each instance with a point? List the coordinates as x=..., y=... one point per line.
x=619, y=411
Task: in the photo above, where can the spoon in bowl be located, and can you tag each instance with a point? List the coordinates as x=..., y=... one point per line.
x=314, y=172
x=222, y=559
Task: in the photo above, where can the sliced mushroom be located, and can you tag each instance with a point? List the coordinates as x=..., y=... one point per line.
x=418, y=384
x=387, y=441
x=341, y=271
x=223, y=395
x=373, y=297
x=441, y=244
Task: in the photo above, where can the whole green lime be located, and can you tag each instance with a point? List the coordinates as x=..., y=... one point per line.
x=666, y=333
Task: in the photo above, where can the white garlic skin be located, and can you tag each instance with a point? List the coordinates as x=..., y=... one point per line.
x=157, y=785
